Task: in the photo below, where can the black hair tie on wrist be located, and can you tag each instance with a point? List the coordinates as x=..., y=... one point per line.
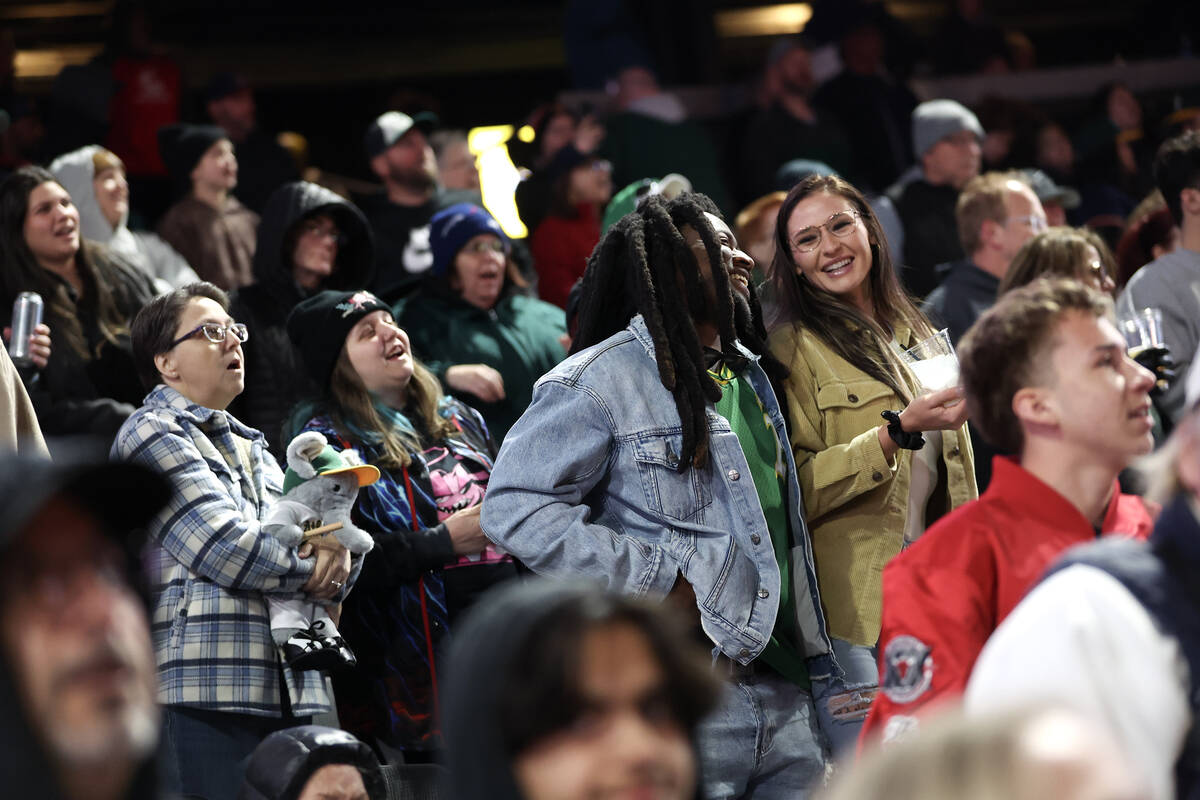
x=902, y=438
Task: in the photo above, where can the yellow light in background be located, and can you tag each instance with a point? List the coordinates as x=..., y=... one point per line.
x=526, y=134
x=775, y=20
x=47, y=63
x=498, y=176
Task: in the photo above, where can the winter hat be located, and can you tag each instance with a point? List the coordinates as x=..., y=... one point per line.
x=1048, y=191
x=934, y=120
x=454, y=226
x=387, y=129
x=182, y=146
x=284, y=761
x=319, y=325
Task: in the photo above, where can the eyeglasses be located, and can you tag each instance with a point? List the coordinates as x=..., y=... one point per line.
x=1098, y=271
x=318, y=230
x=1036, y=223
x=841, y=225
x=216, y=333
x=485, y=246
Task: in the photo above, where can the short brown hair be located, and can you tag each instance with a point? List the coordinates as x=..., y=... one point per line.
x=153, y=328
x=983, y=199
x=1003, y=350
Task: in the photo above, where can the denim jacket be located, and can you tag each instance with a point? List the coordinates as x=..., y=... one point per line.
x=586, y=486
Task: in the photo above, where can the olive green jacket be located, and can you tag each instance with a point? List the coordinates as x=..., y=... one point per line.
x=855, y=501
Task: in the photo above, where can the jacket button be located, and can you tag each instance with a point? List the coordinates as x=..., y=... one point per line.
x=853, y=398
x=877, y=476
x=743, y=653
x=755, y=539
x=733, y=474
x=764, y=594
x=955, y=452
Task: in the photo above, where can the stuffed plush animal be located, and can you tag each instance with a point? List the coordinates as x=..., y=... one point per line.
x=319, y=489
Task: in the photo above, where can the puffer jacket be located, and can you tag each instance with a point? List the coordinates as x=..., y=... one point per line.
x=276, y=378
x=285, y=760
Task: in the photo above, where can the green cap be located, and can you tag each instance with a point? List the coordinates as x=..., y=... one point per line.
x=330, y=462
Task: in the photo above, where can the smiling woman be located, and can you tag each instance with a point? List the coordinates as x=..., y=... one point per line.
x=870, y=488
x=89, y=385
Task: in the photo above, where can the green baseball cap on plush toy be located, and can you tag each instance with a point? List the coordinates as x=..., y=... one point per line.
x=629, y=198
x=330, y=462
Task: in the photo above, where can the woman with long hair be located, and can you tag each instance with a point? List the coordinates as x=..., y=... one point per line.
x=871, y=482
x=1063, y=253
x=89, y=385
x=431, y=559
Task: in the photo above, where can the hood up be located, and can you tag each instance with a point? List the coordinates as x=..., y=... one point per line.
x=75, y=172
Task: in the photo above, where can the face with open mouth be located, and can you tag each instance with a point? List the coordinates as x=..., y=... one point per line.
x=51, y=224
x=839, y=264
x=478, y=271
x=380, y=355
x=210, y=374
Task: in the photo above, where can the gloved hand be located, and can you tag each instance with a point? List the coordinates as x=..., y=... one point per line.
x=1158, y=360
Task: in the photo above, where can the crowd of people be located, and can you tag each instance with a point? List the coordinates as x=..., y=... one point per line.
x=660, y=499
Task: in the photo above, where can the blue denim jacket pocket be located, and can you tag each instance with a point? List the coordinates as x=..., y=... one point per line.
x=731, y=598
x=675, y=495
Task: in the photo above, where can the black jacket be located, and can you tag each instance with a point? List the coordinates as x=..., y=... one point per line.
x=275, y=375
x=930, y=233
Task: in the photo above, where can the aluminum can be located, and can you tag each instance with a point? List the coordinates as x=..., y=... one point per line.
x=27, y=315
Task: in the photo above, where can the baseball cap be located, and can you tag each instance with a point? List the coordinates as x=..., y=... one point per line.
x=387, y=129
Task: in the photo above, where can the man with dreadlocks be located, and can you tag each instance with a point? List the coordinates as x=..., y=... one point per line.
x=654, y=460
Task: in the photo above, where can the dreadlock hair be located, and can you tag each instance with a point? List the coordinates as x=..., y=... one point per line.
x=643, y=265
x=858, y=338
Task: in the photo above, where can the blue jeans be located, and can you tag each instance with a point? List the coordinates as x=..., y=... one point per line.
x=204, y=753
x=844, y=702
x=762, y=741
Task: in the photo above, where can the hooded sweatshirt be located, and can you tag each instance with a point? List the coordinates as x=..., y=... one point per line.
x=145, y=250
x=276, y=377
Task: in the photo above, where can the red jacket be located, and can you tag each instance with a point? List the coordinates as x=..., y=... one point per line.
x=561, y=248
x=943, y=597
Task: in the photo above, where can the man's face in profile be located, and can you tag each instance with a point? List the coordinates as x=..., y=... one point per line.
x=78, y=641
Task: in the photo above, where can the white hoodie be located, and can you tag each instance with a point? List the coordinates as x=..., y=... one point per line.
x=145, y=250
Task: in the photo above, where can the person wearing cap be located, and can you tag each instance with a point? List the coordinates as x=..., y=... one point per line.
x=263, y=164
x=566, y=236
x=208, y=226
x=1171, y=282
x=95, y=178
x=1046, y=378
x=1056, y=200
x=487, y=342
x=790, y=126
x=946, y=140
x=1113, y=630
x=399, y=153
x=309, y=239
x=77, y=712
x=221, y=681
x=313, y=762
x=430, y=559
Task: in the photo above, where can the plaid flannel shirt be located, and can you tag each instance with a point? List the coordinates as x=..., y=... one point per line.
x=210, y=623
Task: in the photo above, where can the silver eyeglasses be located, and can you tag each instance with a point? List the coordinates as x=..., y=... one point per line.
x=840, y=225
x=216, y=333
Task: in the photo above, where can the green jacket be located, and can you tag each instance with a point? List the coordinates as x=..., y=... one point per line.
x=854, y=500
x=520, y=337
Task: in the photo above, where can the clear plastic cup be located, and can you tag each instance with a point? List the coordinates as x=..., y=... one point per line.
x=1142, y=330
x=933, y=362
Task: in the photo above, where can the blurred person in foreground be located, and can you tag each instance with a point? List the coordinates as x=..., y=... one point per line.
x=77, y=669
x=313, y=762
x=1114, y=630
x=561, y=693
x=222, y=682
x=1046, y=378
x=1042, y=753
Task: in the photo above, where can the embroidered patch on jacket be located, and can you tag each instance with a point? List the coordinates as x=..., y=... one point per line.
x=908, y=669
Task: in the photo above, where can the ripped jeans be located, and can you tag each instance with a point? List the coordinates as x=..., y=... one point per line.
x=843, y=703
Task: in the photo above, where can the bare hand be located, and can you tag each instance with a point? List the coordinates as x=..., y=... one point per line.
x=465, y=533
x=937, y=411
x=331, y=570
x=588, y=134
x=39, y=344
x=477, y=379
